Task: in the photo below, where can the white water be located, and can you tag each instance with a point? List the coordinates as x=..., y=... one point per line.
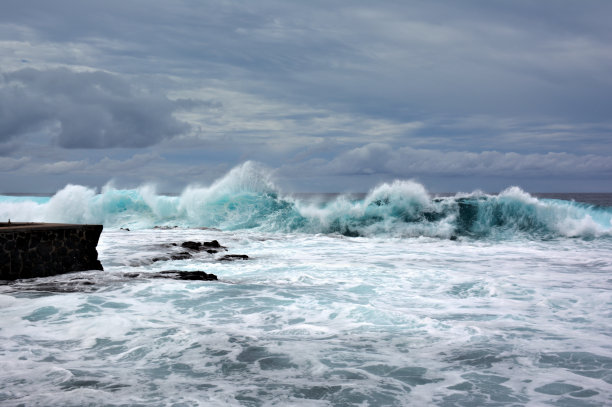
x=246, y=198
x=313, y=319
x=470, y=300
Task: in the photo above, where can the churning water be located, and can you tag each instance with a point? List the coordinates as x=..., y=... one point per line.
x=395, y=298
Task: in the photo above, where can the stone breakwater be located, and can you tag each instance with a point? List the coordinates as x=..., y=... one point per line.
x=45, y=249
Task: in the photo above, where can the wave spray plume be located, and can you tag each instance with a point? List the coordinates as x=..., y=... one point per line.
x=247, y=198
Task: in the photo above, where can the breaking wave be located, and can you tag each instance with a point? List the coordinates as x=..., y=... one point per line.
x=246, y=198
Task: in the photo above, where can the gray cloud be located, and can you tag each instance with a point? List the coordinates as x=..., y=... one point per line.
x=11, y=164
x=406, y=162
x=136, y=162
x=84, y=109
x=396, y=60
x=482, y=88
x=61, y=167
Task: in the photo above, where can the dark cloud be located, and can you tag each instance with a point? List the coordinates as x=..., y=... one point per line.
x=84, y=109
x=11, y=164
x=191, y=104
x=406, y=162
x=20, y=112
x=479, y=88
x=400, y=60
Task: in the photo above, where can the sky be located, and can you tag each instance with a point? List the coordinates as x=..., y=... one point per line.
x=331, y=96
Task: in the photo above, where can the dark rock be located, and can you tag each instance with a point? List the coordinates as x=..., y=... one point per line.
x=176, y=256
x=197, y=246
x=232, y=257
x=181, y=256
x=211, y=247
x=54, y=286
x=175, y=274
x=187, y=275
x=453, y=237
x=191, y=245
x=213, y=244
x=197, y=275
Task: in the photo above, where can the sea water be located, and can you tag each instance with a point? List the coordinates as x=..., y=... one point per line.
x=394, y=298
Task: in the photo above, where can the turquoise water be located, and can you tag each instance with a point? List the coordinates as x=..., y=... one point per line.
x=246, y=198
x=343, y=302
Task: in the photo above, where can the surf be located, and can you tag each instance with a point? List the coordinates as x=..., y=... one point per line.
x=247, y=198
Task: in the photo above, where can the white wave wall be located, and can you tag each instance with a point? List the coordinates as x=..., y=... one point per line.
x=247, y=198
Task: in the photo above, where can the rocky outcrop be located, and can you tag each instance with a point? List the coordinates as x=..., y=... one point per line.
x=45, y=249
x=175, y=275
x=186, y=275
x=211, y=247
x=91, y=281
x=232, y=257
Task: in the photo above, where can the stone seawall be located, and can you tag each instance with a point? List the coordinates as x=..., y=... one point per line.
x=45, y=249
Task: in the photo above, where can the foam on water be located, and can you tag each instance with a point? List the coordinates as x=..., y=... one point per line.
x=246, y=198
x=343, y=302
x=318, y=320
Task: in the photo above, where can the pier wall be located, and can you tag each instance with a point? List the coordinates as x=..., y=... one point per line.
x=45, y=249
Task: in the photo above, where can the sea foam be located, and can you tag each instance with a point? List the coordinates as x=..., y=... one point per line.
x=247, y=198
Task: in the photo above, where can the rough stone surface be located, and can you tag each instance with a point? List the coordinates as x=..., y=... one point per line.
x=191, y=245
x=213, y=247
x=210, y=247
x=44, y=249
x=213, y=244
x=187, y=275
x=232, y=257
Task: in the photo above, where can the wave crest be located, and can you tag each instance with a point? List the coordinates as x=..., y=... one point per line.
x=247, y=198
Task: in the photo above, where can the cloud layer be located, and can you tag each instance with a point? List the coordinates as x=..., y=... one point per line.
x=347, y=92
x=379, y=158
x=84, y=109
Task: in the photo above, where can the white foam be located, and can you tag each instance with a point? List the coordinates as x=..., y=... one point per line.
x=310, y=312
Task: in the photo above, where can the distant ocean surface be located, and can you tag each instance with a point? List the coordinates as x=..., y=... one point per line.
x=396, y=297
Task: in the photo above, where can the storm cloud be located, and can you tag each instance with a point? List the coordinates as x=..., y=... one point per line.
x=385, y=159
x=84, y=109
x=343, y=93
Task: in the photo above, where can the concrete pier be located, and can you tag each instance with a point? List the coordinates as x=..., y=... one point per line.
x=45, y=249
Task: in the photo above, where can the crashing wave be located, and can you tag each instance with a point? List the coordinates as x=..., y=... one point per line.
x=246, y=198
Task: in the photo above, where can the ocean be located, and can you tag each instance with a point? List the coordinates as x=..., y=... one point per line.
x=397, y=297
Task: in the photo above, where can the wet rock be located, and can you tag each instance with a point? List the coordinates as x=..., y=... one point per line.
x=192, y=245
x=187, y=275
x=176, y=256
x=175, y=274
x=210, y=247
x=181, y=256
x=232, y=257
x=213, y=244
x=89, y=282
x=86, y=284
